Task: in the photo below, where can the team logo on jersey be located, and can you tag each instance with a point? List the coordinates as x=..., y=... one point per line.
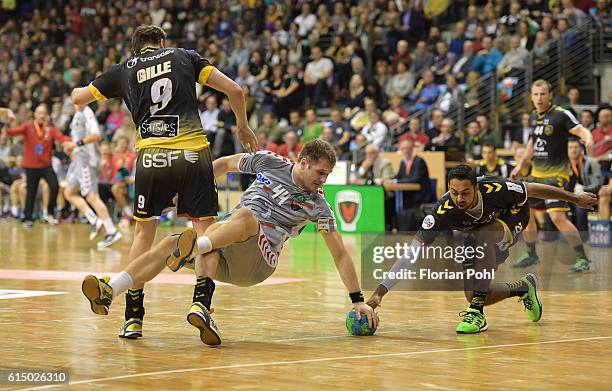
x=131, y=63
x=428, y=222
x=348, y=209
x=548, y=130
x=166, y=126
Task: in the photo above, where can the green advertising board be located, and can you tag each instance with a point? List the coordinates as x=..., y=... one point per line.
x=357, y=209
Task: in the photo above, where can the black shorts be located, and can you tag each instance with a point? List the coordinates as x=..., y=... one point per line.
x=163, y=173
x=106, y=191
x=550, y=205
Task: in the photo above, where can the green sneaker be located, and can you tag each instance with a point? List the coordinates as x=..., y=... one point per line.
x=530, y=300
x=473, y=322
x=526, y=260
x=581, y=265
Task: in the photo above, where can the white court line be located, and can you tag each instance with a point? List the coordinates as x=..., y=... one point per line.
x=312, y=360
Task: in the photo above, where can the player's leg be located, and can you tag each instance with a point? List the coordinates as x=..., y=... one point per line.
x=44, y=195
x=571, y=234
x=530, y=234
x=15, y=197
x=33, y=176
x=604, y=202
x=51, y=179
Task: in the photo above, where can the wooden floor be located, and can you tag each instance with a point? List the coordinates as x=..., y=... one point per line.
x=289, y=333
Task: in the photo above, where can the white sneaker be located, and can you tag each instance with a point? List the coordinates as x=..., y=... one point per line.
x=51, y=220
x=109, y=240
x=95, y=229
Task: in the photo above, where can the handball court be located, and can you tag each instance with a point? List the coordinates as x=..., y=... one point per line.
x=289, y=333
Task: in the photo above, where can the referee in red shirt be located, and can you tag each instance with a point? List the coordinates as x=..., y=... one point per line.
x=38, y=136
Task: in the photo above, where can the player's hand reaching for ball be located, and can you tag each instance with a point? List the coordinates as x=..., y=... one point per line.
x=516, y=173
x=586, y=200
x=366, y=309
x=247, y=138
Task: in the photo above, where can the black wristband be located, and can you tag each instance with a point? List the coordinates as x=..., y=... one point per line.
x=356, y=297
x=80, y=143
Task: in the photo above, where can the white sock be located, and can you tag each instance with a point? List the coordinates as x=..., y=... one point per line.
x=109, y=226
x=127, y=211
x=204, y=245
x=15, y=210
x=90, y=216
x=121, y=283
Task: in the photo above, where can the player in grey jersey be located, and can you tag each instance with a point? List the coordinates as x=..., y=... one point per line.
x=243, y=248
x=83, y=173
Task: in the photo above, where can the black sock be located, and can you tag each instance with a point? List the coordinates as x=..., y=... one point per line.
x=531, y=249
x=478, y=301
x=517, y=288
x=203, y=292
x=134, y=304
x=580, y=251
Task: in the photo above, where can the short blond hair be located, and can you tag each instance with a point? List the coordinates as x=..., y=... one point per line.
x=315, y=150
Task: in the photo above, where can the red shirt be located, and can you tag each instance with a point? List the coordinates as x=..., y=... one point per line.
x=38, y=143
x=282, y=150
x=121, y=160
x=420, y=140
x=270, y=146
x=602, y=141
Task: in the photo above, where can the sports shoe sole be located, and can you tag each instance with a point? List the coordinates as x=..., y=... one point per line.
x=184, y=247
x=130, y=334
x=208, y=335
x=485, y=328
x=535, y=292
x=91, y=290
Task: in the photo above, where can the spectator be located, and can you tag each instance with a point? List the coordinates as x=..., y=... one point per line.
x=401, y=55
x=318, y=77
x=305, y=20
x=522, y=134
x=291, y=95
x=450, y=97
x=587, y=119
x=488, y=58
x=376, y=131
x=383, y=78
x=209, y=117
x=396, y=105
x=38, y=136
x=123, y=164
x=357, y=93
x=415, y=135
x=487, y=132
x=245, y=78
x=464, y=63
x=602, y=136
x=412, y=170
x=586, y=177
x=456, y=44
x=225, y=141
x=443, y=62
x=472, y=22
x=374, y=170
x=425, y=93
x=490, y=164
x=105, y=169
x=423, y=59
x=265, y=144
x=295, y=123
x=313, y=128
x=541, y=47
x=291, y=147
x=515, y=60
x=341, y=132
x=446, y=139
x=402, y=82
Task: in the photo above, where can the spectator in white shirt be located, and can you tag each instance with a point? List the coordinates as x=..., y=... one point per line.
x=376, y=131
x=318, y=76
x=306, y=21
x=209, y=117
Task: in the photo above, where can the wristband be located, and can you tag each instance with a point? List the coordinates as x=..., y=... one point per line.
x=80, y=143
x=356, y=297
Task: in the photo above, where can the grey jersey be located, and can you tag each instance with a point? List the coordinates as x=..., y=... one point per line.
x=281, y=207
x=83, y=124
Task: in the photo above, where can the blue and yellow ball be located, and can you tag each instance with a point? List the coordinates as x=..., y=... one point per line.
x=358, y=327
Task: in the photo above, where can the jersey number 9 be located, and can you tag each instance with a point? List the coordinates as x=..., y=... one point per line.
x=161, y=93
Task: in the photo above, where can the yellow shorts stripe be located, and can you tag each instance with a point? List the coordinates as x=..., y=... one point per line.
x=145, y=218
x=204, y=74
x=557, y=209
x=96, y=93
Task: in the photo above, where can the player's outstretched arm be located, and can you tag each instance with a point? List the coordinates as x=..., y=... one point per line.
x=346, y=269
x=82, y=96
x=223, y=165
x=585, y=135
x=583, y=200
x=221, y=82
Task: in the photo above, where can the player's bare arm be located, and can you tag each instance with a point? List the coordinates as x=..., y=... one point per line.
x=221, y=82
x=346, y=269
x=585, y=136
x=82, y=96
x=223, y=165
x=583, y=200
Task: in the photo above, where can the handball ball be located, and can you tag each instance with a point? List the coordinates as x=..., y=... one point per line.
x=358, y=327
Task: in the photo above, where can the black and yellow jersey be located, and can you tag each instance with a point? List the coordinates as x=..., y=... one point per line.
x=158, y=87
x=497, y=196
x=501, y=168
x=551, y=131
